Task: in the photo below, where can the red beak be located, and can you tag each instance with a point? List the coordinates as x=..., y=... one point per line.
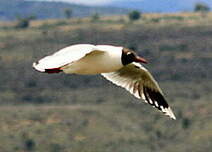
x=140, y=59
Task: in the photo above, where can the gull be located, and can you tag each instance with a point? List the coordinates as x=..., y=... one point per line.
x=117, y=64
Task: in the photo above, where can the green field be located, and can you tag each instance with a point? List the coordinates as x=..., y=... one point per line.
x=72, y=113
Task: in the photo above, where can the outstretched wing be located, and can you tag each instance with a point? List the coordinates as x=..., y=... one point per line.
x=138, y=81
x=63, y=57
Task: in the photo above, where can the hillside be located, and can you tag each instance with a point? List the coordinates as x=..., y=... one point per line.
x=58, y=112
x=9, y=10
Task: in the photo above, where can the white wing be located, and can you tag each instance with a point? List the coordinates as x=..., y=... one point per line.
x=138, y=81
x=63, y=57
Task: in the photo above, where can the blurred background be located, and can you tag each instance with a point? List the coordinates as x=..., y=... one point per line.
x=73, y=113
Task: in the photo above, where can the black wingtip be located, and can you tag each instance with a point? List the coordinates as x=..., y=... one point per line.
x=157, y=100
x=55, y=70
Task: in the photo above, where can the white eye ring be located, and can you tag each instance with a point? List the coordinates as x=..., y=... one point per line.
x=128, y=53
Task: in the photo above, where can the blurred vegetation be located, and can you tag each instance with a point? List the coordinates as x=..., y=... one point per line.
x=24, y=22
x=134, y=15
x=62, y=113
x=201, y=7
x=95, y=17
x=68, y=12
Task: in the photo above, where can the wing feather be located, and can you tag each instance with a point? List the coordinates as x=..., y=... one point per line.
x=138, y=81
x=64, y=56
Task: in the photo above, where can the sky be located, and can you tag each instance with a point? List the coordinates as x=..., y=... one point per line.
x=85, y=2
x=103, y=2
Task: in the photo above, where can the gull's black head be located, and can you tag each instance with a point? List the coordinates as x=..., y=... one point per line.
x=129, y=56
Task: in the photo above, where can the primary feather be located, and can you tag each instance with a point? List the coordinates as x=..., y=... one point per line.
x=138, y=81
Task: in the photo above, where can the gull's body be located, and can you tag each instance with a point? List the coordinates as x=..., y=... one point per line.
x=84, y=59
x=101, y=57
x=117, y=64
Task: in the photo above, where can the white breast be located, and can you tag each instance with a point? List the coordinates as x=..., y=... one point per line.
x=96, y=62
